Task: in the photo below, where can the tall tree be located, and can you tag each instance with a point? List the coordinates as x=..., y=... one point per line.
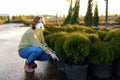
x=68, y=18
x=88, y=21
x=96, y=16
x=75, y=12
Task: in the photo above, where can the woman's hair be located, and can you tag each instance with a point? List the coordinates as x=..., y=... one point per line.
x=35, y=21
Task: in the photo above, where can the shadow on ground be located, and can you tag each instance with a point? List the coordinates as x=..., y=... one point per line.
x=48, y=71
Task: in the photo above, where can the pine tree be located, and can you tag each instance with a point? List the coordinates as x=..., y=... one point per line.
x=88, y=21
x=96, y=16
x=68, y=18
x=75, y=16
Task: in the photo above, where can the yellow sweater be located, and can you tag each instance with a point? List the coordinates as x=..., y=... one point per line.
x=32, y=38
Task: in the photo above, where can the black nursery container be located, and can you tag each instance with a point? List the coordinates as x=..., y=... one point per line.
x=102, y=71
x=116, y=68
x=76, y=72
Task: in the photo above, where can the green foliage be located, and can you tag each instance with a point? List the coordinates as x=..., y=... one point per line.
x=69, y=16
x=59, y=46
x=113, y=37
x=106, y=29
x=68, y=28
x=116, y=47
x=52, y=29
x=88, y=30
x=71, y=28
x=101, y=52
x=77, y=27
x=88, y=21
x=76, y=47
x=46, y=32
x=67, y=20
x=47, y=38
x=67, y=25
x=96, y=17
x=115, y=33
x=52, y=38
x=102, y=34
x=75, y=16
x=93, y=37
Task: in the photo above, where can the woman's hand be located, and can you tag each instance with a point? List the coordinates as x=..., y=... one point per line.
x=53, y=55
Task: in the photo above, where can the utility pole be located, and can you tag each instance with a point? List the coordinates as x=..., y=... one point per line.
x=56, y=18
x=106, y=17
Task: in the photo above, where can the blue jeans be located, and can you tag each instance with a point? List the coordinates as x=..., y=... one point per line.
x=32, y=53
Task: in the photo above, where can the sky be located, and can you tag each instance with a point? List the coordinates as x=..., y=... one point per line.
x=53, y=7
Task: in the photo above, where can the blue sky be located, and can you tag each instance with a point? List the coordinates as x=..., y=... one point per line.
x=52, y=7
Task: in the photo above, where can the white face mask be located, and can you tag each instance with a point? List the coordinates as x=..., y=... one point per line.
x=40, y=26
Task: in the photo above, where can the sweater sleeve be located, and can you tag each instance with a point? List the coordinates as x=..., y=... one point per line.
x=35, y=42
x=41, y=38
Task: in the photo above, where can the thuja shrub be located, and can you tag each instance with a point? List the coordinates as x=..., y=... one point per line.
x=106, y=29
x=101, y=52
x=47, y=38
x=88, y=30
x=68, y=29
x=113, y=37
x=52, y=29
x=67, y=25
x=93, y=37
x=115, y=33
x=59, y=46
x=76, y=48
x=77, y=27
x=46, y=32
x=116, y=48
x=52, y=38
x=102, y=34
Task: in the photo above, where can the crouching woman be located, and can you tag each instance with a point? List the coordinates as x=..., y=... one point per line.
x=33, y=47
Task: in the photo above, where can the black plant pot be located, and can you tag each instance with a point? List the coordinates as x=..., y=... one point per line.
x=116, y=68
x=76, y=72
x=60, y=65
x=102, y=71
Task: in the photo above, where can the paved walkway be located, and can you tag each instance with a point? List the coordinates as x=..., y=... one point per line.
x=12, y=66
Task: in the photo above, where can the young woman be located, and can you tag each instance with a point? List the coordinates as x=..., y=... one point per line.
x=33, y=46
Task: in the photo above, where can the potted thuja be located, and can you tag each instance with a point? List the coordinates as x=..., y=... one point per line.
x=101, y=58
x=76, y=48
x=113, y=37
x=60, y=52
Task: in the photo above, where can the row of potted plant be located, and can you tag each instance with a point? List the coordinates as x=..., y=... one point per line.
x=113, y=37
x=80, y=50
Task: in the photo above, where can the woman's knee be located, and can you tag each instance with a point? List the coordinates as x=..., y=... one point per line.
x=44, y=57
x=37, y=50
x=26, y=52
x=21, y=54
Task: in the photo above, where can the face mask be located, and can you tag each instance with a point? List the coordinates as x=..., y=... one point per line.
x=40, y=26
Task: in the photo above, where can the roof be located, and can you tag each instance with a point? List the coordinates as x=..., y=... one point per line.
x=4, y=14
